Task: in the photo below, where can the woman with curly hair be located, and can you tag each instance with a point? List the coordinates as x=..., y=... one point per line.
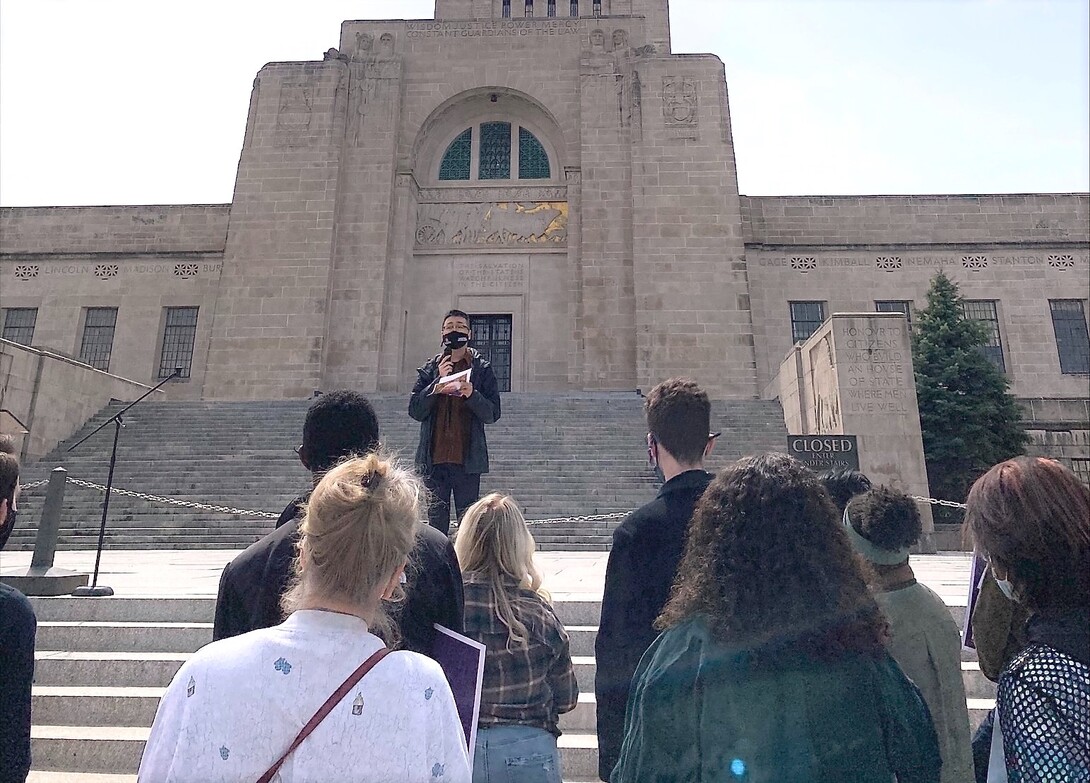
x=773, y=665
x=883, y=524
x=1030, y=517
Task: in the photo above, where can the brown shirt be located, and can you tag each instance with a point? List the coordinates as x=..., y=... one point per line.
x=450, y=437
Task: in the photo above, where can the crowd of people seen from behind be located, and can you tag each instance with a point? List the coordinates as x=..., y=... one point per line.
x=763, y=624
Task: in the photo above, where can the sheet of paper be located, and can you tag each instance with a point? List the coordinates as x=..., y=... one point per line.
x=458, y=377
x=462, y=660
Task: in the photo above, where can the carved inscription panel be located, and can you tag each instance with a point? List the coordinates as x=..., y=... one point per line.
x=489, y=277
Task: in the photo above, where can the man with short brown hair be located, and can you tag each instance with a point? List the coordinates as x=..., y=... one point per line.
x=647, y=547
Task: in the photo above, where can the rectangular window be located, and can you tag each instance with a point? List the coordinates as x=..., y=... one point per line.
x=529, y=12
x=492, y=337
x=574, y=8
x=19, y=324
x=895, y=306
x=806, y=317
x=495, y=151
x=1080, y=466
x=98, y=337
x=1072, y=339
x=597, y=7
x=550, y=9
x=985, y=311
x=179, y=335
x=505, y=9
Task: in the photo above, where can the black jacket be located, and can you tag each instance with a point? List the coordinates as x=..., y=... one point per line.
x=17, y=630
x=252, y=583
x=642, y=565
x=484, y=404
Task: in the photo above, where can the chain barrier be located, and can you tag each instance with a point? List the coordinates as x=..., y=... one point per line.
x=267, y=515
x=936, y=502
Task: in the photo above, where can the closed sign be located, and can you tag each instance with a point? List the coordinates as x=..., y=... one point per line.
x=825, y=452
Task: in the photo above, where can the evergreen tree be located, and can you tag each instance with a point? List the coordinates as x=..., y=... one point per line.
x=968, y=418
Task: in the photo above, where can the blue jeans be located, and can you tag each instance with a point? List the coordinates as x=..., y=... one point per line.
x=515, y=754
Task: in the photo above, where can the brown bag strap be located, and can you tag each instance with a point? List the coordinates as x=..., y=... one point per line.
x=324, y=710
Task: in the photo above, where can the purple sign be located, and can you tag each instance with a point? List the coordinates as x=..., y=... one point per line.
x=462, y=660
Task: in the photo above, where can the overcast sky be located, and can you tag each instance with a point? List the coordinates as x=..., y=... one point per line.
x=144, y=101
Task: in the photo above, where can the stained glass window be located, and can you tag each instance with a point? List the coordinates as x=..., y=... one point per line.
x=533, y=160
x=179, y=335
x=456, y=159
x=495, y=151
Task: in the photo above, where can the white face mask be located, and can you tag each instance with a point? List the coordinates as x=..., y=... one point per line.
x=1006, y=588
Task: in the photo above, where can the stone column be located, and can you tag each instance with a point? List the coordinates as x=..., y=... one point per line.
x=858, y=370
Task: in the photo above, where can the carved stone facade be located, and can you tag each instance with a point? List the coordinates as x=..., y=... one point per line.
x=628, y=258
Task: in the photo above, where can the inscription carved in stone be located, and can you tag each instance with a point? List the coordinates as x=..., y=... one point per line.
x=461, y=195
x=490, y=276
x=502, y=224
x=679, y=106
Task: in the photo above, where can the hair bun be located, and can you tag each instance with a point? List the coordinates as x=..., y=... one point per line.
x=371, y=480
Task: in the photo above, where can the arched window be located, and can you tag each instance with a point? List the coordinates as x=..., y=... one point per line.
x=495, y=150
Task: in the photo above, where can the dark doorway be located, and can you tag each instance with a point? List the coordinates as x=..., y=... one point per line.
x=492, y=337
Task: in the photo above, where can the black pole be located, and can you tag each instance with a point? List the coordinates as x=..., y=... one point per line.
x=94, y=590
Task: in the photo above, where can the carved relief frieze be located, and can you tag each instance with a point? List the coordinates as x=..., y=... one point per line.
x=680, y=107
x=495, y=224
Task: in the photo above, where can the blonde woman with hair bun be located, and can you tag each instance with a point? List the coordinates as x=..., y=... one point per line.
x=528, y=676
x=237, y=709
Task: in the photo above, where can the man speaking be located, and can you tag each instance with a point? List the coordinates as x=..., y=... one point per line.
x=454, y=397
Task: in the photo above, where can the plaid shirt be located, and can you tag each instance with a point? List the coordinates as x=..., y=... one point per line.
x=525, y=685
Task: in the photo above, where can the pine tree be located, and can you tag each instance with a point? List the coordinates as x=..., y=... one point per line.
x=969, y=419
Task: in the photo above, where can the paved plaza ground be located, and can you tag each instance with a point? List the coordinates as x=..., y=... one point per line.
x=567, y=575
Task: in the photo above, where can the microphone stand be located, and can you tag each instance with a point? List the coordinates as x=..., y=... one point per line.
x=95, y=589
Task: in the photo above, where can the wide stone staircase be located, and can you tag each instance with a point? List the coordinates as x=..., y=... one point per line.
x=561, y=456
x=102, y=665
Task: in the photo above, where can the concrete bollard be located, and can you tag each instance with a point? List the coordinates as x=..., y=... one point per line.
x=45, y=545
x=42, y=578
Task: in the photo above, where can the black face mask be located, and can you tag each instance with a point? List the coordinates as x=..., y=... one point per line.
x=7, y=526
x=455, y=340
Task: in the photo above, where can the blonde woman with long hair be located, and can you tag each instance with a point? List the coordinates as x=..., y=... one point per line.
x=528, y=676
x=318, y=697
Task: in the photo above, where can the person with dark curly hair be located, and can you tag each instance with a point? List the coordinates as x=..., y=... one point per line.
x=843, y=485
x=772, y=665
x=883, y=524
x=1030, y=518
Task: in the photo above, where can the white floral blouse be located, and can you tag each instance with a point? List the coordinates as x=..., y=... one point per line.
x=237, y=704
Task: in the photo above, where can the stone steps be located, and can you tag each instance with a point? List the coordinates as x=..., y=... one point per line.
x=588, y=456
x=102, y=665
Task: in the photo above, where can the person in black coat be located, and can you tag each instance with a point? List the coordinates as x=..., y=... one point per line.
x=18, y=627
x=453, y=452
x=647, y=548
x=338, y=424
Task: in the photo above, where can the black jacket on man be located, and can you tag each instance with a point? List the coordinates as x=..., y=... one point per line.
x=484, y=404
x=252, y=583
x=643, y=562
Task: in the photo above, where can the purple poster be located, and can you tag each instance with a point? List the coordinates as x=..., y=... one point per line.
x=976, y=574
x=462, y=660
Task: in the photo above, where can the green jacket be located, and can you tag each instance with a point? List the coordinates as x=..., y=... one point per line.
x=699, y=712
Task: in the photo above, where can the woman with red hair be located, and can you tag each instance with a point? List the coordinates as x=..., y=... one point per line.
x=1031, y=519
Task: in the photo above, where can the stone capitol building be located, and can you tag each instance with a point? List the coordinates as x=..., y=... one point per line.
x=555, y=169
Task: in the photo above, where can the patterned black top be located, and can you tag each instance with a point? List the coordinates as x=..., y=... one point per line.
x=1044, y=712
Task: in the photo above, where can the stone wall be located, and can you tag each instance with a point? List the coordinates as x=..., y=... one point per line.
x=53, y=396
x=1059, y=428
x=1037, y=218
